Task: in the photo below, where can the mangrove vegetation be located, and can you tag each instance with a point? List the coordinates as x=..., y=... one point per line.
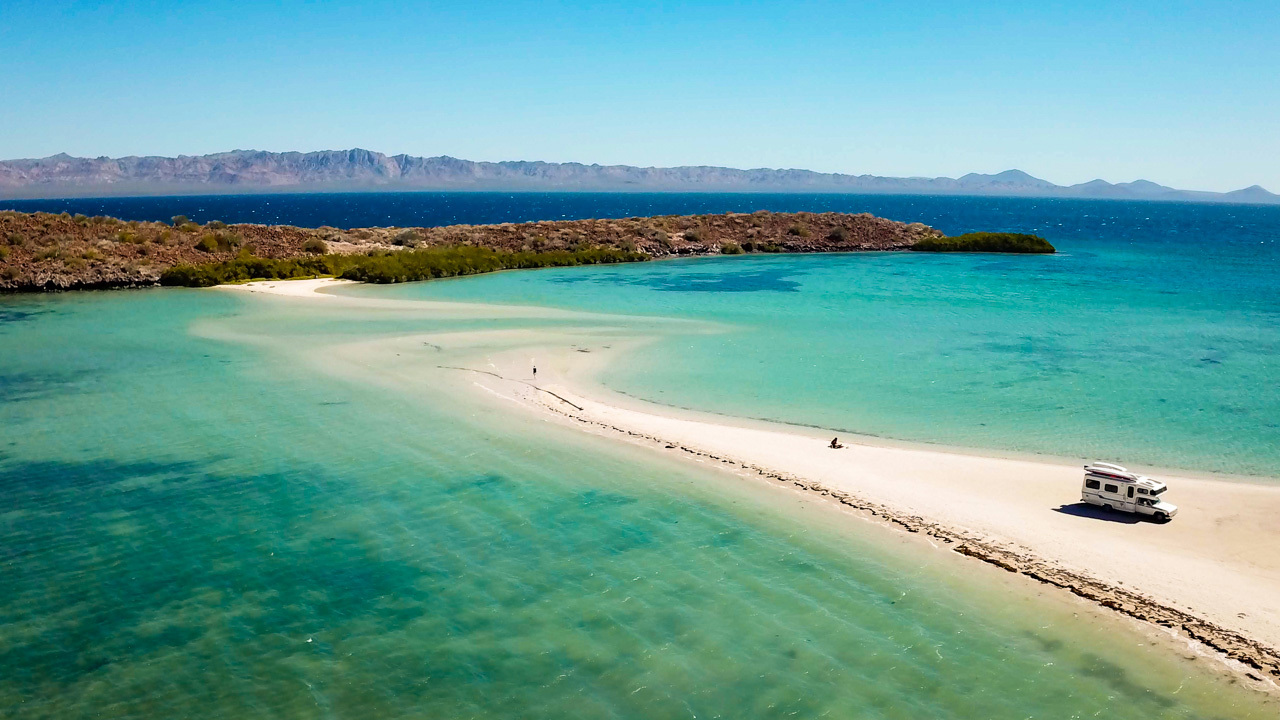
x=388, y=266
x=993, y=242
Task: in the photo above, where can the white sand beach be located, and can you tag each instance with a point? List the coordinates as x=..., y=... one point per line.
x=290, y=288
x=1215, y=561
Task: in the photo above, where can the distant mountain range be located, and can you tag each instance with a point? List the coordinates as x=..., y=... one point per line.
x=249, y=171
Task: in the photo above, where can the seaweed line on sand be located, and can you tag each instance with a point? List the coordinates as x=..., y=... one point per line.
x=500, y=377
x=1229, y=643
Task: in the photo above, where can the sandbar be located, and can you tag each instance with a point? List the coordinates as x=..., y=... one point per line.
x=1212, y=574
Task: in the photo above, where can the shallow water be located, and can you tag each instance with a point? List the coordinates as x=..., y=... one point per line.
x=1145, y=352
x=1151, y=339
x=222, y=528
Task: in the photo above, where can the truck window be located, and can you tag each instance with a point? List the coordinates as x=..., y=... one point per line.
x=1111, y=488
x=1130, y=491
x=1092, y=484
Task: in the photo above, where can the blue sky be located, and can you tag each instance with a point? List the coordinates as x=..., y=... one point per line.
x=1182, y=93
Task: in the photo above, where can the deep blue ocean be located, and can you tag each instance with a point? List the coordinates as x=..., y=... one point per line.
x=1055, y=218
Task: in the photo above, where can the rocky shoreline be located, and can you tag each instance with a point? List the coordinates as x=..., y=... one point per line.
x=48, y=252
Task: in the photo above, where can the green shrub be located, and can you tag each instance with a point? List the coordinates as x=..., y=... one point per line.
x=245, y=267
x=764, y=247
x=695, y=235
x=986, y=242
x=180, y=220
x=450, y=262
x=798, y=230
x=215, y=225
x=838, y=235
x=315, y=246
x=730, y=249
x=387, y=267
x=219, y=242
x=4, y=253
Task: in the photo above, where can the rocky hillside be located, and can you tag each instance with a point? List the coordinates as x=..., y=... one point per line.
x=257, y=171
x=42, y=251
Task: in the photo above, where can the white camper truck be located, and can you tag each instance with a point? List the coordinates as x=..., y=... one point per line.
x=1112, y=486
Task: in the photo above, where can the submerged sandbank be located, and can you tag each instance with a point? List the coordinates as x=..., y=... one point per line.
x=1209, y=574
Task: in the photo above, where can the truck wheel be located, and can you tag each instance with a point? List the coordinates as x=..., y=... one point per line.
x=1162, y=518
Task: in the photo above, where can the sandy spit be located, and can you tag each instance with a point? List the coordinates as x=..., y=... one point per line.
x=1211, y=574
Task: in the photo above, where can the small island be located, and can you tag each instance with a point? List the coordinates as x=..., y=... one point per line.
x=45, y=251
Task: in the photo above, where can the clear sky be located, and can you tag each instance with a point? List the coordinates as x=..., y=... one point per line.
x=1182, y=93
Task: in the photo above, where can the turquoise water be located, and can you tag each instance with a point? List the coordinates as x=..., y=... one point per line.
x=204, y=517
x=1152, y=352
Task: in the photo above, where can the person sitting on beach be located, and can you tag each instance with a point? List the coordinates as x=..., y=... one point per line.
x=835, y=443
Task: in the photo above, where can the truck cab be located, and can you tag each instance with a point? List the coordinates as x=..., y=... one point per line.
x=1115, y=487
